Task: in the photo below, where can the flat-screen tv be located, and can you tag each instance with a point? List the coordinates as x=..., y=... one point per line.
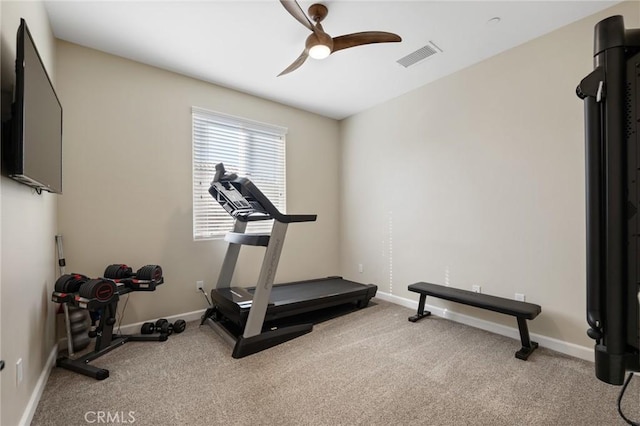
x=32, y=138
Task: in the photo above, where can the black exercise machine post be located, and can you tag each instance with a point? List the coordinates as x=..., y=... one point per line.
x=612, y=156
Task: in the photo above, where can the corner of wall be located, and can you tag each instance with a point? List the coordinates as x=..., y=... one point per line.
x=28, y=224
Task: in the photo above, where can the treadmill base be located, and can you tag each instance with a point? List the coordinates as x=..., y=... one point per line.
x=250, y=345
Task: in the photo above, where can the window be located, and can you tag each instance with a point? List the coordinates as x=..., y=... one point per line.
x=248, y=148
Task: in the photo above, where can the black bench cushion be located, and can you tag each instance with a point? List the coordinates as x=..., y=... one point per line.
x=485, y=301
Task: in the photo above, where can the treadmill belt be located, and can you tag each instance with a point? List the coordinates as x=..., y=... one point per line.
x=293, y=299
x=282, y=294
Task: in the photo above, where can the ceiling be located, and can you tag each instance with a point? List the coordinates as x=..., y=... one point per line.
x=244, y=45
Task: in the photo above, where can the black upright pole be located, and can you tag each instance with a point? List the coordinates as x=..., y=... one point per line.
x=610, y=33
x=594, y=196
x=609, y=96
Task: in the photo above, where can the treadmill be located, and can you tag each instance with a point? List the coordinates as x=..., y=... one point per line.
x=256, y=318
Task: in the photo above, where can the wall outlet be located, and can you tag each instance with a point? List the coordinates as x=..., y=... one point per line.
x=520, y=297
x=476, y=289
x=199, y=285
x=19, y=373
x=360, y=268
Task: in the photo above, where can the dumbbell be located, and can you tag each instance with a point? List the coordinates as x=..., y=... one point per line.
x=122, y=271
x=70, y=283
x=149, y=273
x=99, y=289
x=163, y=326
x=118, y=271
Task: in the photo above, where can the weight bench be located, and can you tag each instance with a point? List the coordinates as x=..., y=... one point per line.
x=521, y=310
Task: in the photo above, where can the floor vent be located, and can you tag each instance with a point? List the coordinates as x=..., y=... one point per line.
x=423, y=53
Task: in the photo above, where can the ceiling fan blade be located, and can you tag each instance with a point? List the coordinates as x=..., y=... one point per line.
x=296, y=64
x=296, y=11
x=366, y=37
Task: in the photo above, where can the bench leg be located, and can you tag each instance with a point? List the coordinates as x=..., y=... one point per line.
x=527, y=345
x=421, y=312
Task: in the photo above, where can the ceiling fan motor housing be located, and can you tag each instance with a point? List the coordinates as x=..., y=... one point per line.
x=321, y=38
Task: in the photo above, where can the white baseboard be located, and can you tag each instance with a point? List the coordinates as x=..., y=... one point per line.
x=30, y=410
x=567, y=348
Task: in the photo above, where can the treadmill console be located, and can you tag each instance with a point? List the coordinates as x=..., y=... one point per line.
x=245, y=202
x=234, y=197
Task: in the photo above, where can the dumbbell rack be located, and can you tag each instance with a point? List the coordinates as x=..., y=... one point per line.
x=106, y=341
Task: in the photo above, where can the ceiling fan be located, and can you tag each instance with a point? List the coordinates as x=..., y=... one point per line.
x=319, y=44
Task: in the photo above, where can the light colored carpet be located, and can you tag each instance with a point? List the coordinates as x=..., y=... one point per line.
x=370, y=367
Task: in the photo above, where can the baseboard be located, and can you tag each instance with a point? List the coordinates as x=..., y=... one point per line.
x=567, y=348
x=30, y=409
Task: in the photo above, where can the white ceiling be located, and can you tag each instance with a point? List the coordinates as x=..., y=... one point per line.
x=244, y=44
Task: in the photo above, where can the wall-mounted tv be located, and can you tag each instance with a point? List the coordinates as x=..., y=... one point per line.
x=32, y=138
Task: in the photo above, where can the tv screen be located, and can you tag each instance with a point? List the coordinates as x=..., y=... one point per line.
x=33, y=151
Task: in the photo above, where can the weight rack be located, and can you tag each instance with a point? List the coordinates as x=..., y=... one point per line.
x=106, y=305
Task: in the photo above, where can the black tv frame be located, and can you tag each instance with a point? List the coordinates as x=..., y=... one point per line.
x=13, y=135
x=612, y=156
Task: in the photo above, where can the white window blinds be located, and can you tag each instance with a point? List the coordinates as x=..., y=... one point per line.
x=248, y=148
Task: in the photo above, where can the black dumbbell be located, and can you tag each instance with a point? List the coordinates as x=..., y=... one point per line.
x=118, y=271
x=70, y=283
x=121, y=271
x=163, y=326
x=149, y=273
x=99, y=289
x=160, y=326
x=179, y=326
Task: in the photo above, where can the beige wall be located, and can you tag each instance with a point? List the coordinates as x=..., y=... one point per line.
x=127, y=177
x=27, y=235
x=478, y=179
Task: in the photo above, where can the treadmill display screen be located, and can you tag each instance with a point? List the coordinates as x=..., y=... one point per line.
x=230, y=195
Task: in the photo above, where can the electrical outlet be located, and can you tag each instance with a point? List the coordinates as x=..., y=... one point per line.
x=476, y=289
x=360, y=268
x=520, y=297
x=199, y=285
x=19, y=373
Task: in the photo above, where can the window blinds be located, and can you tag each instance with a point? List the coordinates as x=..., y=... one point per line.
x=248, y=148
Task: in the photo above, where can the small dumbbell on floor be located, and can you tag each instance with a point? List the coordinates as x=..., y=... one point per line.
x=160, y=326
x=163, y=326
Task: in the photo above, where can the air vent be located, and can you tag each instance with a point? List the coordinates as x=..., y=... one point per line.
x=423, y=53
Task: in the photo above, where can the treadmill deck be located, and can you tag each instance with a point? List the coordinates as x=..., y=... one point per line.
x=293, y=298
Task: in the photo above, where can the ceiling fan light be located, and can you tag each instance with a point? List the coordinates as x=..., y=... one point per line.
x=319, y=51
